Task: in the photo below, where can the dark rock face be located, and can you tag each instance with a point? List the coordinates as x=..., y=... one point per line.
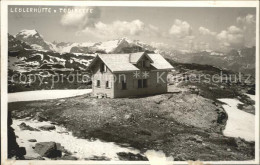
x=13, y=148
x=47, y=149
x=23, y=126
x=251, y=91
x=47, y=127
x=16, y=45
x=35, y=38
x=131, y=156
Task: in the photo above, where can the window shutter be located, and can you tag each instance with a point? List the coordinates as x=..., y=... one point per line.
x=144, y=83
x=105, y=68
x=148, y=83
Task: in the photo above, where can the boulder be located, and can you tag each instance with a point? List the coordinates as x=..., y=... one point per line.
x=62, y=149
x=128, y=116
x=32, y=140
x=196, y=138
x=131, y=156
x=40, y=117
x=47, y=149
x=23, y=126
x=249, y=107
x=47, y=127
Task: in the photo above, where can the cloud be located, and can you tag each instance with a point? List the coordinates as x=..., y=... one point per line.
x=232, y=37
x=203, y=46
x=80, y=20
x=161, y=45
x=242, y=35
x=205, y=31
x=118, y=29
x=180, y=29
x=248, y=25
x=248, y=19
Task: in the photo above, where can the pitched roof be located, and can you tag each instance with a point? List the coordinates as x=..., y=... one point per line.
x=125, y=62
x=134, y=57
x=159, y=62
x=118, y=62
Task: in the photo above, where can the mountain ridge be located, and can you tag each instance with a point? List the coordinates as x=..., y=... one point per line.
x=242, y=60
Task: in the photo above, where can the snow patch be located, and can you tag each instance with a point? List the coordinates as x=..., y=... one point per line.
x=80, y=148
x=37, y=47
x=108, y=46
x=157, y=157
x=45, y=94
x=252, y=97
x=216, y=54
x=27, y=33
x=239, y=124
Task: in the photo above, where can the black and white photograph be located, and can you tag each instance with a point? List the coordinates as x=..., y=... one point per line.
x=146, y=82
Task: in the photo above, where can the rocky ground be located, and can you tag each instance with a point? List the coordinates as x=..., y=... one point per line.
x=186, y=123
x=183, y=125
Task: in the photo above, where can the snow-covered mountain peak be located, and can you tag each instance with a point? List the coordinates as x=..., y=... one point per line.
x=28, y=33
x=33, y=38
x=125, y=39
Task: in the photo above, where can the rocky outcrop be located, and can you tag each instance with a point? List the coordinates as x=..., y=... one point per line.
x=47, y=149
x=14, y=151
x=23, y=126
x=40, y=117
x=131, y=156
x=32, y=140
x=47, y=127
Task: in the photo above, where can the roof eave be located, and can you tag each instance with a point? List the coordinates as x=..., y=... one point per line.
x=92, y=62
x=166, y=69
x=123, y=71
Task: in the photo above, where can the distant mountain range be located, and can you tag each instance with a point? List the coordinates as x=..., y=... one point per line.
x=123, y=45
x=30, y=43
x=242, y=60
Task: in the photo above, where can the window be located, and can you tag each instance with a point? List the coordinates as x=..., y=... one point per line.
x=107, y=84
x=98, y=83
x=103, y=67
x=123, y=85
x=142, y=83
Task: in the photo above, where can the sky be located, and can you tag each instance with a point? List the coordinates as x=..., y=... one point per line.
x=180, y=28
